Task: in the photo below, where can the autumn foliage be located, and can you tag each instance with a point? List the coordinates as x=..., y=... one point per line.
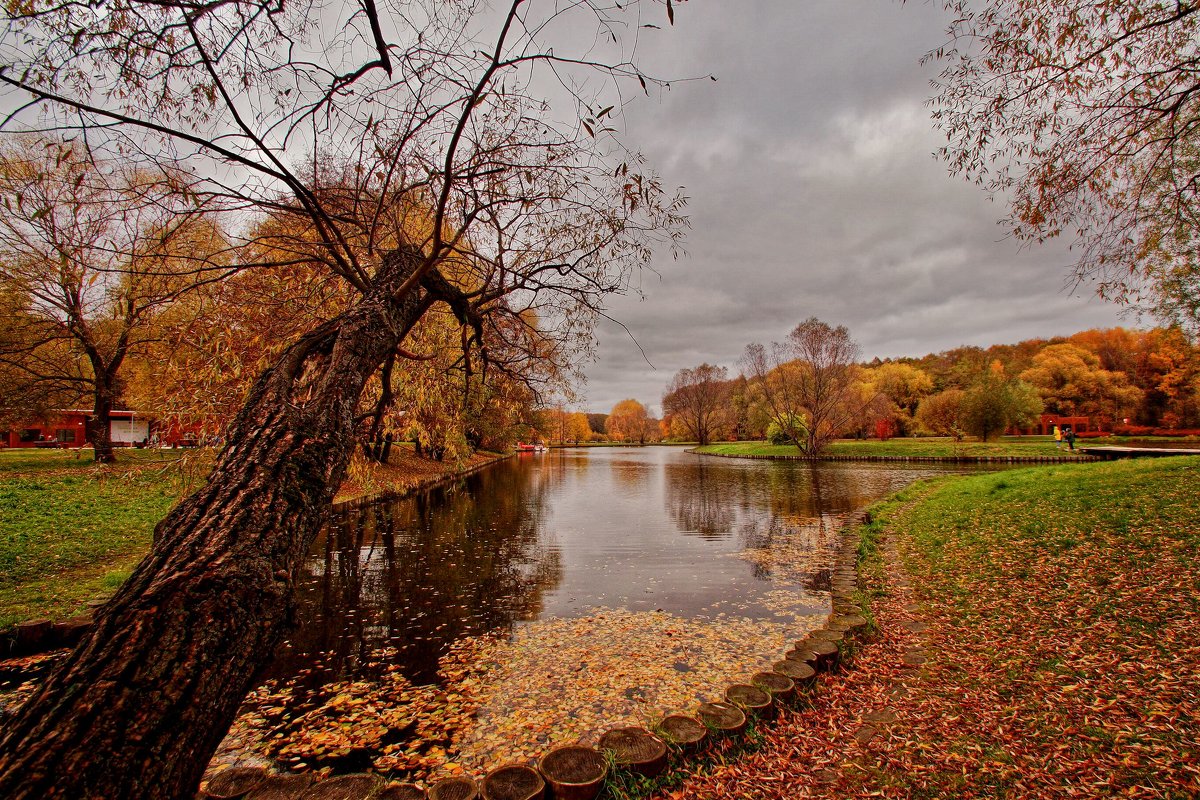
x=1125, y=381
x=1082, y=116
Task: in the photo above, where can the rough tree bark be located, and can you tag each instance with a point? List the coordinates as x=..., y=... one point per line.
x=178, y=647
x=100, y=430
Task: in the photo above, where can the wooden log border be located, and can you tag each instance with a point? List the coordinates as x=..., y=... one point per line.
x=847, y=629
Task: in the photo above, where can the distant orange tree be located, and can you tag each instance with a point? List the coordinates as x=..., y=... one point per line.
x=563, y=426
x=630, y=422
x=942, y=413
x=1071, y=381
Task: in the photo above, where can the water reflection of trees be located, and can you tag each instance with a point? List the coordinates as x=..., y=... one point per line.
x=421, y=573
x=630, y=475
x=790, y=507
x=697, y=497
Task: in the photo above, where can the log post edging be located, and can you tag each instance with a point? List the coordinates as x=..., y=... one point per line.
x=847, y=629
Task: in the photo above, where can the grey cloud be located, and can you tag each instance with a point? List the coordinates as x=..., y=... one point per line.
x=814, y=193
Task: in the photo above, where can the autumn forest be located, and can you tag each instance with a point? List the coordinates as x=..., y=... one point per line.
x=1124, y=381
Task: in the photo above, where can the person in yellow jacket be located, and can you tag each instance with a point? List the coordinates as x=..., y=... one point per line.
x=1058, y=438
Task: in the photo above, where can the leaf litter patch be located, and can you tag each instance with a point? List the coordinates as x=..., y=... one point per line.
x=555, y=681
x=559, y=681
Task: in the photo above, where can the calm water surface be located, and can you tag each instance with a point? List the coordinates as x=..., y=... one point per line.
x=561, y=534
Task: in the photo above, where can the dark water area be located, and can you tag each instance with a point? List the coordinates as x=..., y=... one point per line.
x=559, y=535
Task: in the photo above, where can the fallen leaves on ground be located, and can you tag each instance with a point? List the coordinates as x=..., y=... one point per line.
x=567, y=680
x=1064, y=651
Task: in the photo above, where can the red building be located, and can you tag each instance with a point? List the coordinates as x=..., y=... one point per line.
x=68, y=428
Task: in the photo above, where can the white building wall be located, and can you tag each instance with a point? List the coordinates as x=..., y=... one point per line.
x=130, y=431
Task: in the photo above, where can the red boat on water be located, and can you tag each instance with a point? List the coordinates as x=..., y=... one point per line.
x=530, y=448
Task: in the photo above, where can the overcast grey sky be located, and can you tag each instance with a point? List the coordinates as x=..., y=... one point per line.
x=814, y=193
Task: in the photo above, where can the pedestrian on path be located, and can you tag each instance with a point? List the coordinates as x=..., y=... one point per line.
x=1058, y=438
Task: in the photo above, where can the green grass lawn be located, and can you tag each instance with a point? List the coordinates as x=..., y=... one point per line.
x=1025, y=446
x=1064, y=613
x=28, y=460
x=72, y=530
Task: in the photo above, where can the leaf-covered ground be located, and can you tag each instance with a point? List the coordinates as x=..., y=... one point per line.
x=1040, y=638
x=404, y=471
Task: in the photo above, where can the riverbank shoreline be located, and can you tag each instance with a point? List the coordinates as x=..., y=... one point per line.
x=392, y=482
x=1020, y=613
x=912, y=459
x=924, y=450
x=74, y=531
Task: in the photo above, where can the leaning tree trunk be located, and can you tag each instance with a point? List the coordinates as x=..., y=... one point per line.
x=142, y=703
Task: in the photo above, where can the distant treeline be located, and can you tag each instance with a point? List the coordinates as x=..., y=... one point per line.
x=814, y=387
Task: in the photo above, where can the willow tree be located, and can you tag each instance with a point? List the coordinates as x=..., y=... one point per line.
x=96, y=250
x=1084, y=117
x=806, y=383
x=698, y=401
x=451, y=107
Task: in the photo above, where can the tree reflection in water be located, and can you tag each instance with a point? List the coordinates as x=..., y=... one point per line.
x=794, y=509
x=420, y=573
x=483, y=555
x=700, y=502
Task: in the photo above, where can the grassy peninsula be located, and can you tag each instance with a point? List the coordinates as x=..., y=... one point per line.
x=925, y=447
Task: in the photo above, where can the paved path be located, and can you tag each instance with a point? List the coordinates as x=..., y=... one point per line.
x=1114, y=451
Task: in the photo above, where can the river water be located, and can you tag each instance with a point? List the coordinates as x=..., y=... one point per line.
x=545, y=599
x=562, y=533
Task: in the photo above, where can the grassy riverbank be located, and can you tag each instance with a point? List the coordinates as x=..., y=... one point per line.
x=404, y=472
x=1064, y=613
x=1006, y=447
x=71, y=530
x=1059, y=610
